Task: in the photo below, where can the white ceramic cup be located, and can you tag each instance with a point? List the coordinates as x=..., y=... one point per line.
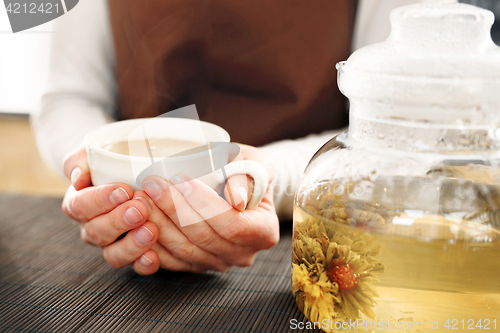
x=108, y=167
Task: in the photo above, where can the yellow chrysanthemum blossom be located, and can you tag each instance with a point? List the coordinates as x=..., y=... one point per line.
x=334, y=268
x=318, y=292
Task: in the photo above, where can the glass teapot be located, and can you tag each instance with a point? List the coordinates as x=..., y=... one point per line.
x=397, y=220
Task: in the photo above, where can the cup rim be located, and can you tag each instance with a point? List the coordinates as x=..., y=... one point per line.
x=97, y=149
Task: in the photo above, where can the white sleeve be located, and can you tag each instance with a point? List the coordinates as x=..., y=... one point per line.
x=80, y=91
x=290, y=159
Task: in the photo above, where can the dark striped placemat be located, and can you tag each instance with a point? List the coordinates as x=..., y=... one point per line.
x=50, y=281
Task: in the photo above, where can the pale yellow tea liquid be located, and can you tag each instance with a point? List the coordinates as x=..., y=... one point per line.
x=156, y=147
x=441, y=268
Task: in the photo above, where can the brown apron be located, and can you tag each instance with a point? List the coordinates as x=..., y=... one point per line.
x=263, y=70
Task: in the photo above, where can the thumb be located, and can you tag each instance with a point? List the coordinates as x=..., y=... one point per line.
x=238, y=190
x=76, y=168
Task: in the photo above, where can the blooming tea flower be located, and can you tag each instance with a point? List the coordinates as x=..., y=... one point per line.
x=334, y=267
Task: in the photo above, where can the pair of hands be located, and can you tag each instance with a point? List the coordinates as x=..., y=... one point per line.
x=142, y=228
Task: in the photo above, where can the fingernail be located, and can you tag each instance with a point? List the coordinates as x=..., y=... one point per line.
x=119, y=196
x=145, y=202
x=153, y=188
x=75, y=174
x=145, y=261
x=143, y=236
x=132, y=216
x=182, y=184
x=243, y=192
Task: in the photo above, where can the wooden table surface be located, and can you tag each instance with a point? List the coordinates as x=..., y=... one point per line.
x=22, y=170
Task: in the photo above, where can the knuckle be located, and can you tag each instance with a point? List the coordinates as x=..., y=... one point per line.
x=245, y=261
x=110, y=259
x=94, y=236
x=247, y=233
x=168, y=207
x=166, y=202
x=131, y=252
x=163, y=234
x=237, y=233
x=66, y=210
x=183, y=251
x=75, y=207
x=204, y=238
x=203, y=206
x=271, y=240
x=84, y=237
x=116, y=222
x=101, y=193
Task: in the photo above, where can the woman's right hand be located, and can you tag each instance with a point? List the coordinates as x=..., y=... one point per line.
x=106, y=212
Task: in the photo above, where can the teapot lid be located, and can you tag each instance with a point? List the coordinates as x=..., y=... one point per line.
x=438, y=53
x=436, y=39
